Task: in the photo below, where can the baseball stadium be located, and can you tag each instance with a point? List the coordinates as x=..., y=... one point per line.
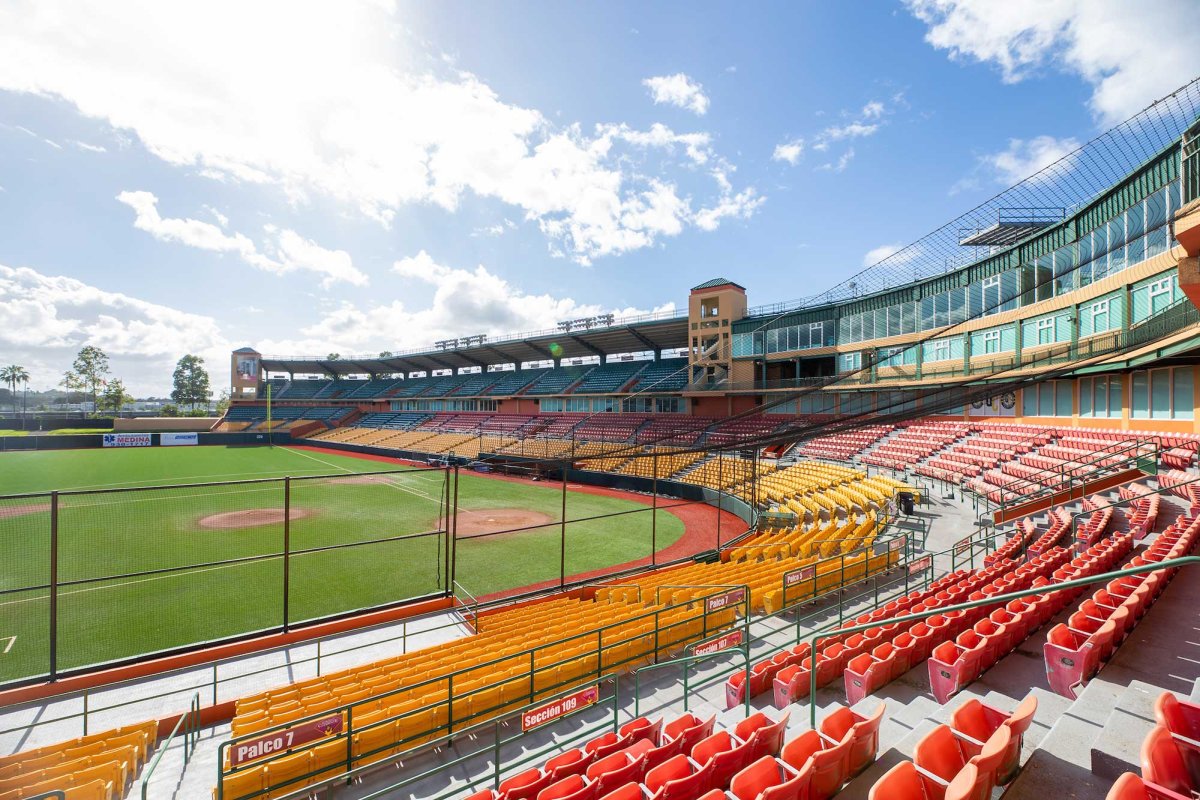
x=929, y=533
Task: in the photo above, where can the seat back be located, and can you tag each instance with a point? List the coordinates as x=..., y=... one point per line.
x=940, y=753
x=901, y=782
x=1162, y=763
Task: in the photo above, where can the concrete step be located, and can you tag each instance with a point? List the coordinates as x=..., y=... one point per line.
x=1118, y=745
x=1060, y=766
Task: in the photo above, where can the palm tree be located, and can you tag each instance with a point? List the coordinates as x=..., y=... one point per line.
x=12, y=375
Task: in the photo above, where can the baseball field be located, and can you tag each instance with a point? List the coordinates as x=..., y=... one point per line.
x=141, y=569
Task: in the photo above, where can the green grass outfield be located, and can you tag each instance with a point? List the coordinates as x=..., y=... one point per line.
x=103, y=534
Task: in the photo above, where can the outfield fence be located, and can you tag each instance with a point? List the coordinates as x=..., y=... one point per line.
x=105, y=576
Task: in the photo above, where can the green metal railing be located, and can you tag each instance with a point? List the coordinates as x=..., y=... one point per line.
x=210, y=678
x=998, y=599
x=188, y=726
x=447, y=713
x=1135, y=453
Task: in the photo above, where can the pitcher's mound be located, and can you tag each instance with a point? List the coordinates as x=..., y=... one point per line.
x=253, y=518
x=494, y=520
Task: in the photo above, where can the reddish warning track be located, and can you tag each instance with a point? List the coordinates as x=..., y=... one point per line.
x=699, y=520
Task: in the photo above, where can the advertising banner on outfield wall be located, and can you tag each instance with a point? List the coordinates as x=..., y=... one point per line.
x=176, y=439
x=127, y=440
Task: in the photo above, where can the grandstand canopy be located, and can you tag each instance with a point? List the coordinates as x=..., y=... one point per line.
x=662, y=331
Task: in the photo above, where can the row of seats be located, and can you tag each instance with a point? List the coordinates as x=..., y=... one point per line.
x=94, y=767
x=688, y=760
x=1170, y=755
x=789, y=669
x=955, y=664
x=1075, y=650
x=979, y=750
x=900, y=650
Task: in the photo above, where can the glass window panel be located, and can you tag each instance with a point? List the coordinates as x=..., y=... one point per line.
x=1114, y=397
x=1029, y=401
x=1085, y=248
x=1045, y=400
x=1062, y=403
x=927, y=310
x=1134, y=222
x=1085, y=397
x=1135, y=251
x=1183, y=400
x=1156, y=210
x=1160, y=394
x=1010, y=289
x=958, y=305
x=1156, y=242
x=1140, y=396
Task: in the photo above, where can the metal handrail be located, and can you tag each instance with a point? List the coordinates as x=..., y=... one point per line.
x=346, y=710
x=216, y=680
x=992, y=600
x=190, y=725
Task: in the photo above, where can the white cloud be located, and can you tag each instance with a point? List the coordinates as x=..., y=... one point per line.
x=44, y=320
x=872, y=110
x=1130, y=53
x=896, y=254
x=319, y=100
x=465, y=302
x=840, y=165
x=218, y=216
x=1023, y=158
x=877, y=254
x=678, y=90
x=789, y=151
x=296, y=252
x=854, y=130
x=91, y=148
x=288, y=250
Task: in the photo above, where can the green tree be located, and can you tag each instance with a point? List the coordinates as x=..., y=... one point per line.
x=333, y=356
x=223, y=403
x=385, y=354
x=168, y=410
x=191, y=382
x=114, y=397
x=88, y=372
x=12, y=375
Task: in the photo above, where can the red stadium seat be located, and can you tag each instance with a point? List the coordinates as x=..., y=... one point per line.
x=642, y=728
x=1130, y=787
x=764, y=736
x=1162, y=763
x=727, y=754
x=940, y=754
x=524, y=785
x=979, y=722
x=678, y=778
x=864, y=735
x=901, y=782
x=768, y=778
x=571, y=762
x=688, y=730
x=630, y=791
x=576, y=787
x=606, y=744
x=486, y=794
x=615, y=770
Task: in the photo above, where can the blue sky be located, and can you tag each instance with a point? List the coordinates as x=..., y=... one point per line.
x=314, y=178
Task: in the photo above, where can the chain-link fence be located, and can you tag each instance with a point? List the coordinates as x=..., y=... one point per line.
x=93, y=577
x=97, y=577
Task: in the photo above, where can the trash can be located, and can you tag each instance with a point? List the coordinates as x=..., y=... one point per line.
x=905, y=499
